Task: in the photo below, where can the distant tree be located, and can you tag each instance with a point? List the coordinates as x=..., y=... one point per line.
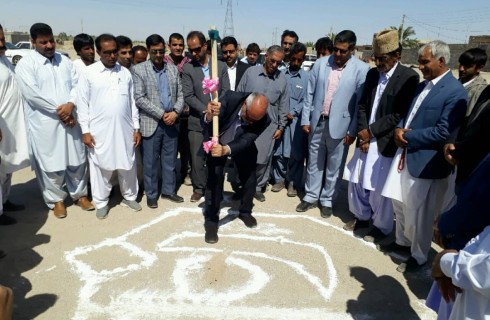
x=331, y=35
x=406, y=34
x=309, y=44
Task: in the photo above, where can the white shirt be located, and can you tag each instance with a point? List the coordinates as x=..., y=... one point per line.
x=232, y=76
x=470, y=269
x=47, y=84
x=80, y=65
x=106, y=110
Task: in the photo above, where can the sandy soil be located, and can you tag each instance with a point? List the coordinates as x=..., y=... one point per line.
x=154, y=264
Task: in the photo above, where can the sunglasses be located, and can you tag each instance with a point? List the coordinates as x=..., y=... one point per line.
x=381, y=59
x=341, y=51
x=228, y=52
x=196, y=50
x=160, y=51
x=109, y=52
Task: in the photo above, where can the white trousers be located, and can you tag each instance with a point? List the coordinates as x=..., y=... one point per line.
x=366, y=204
x=423, y=201
x=52, y=183
x=101, y=184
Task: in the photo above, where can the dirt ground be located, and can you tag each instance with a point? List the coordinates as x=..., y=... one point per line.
x=154, y=264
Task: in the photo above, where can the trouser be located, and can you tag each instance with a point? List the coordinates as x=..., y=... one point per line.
x=366, y=205
x=198, y=161
x=288, y=169
x=101, y=186
x=51, y=183
x=184, y=147
x=5, y=186
x=214, y=187
x=423, y=202
x=325, y=159
x=263, y=172
x=160, y=150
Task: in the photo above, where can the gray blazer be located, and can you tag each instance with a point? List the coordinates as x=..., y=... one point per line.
x=192, y=77
x=147, y=94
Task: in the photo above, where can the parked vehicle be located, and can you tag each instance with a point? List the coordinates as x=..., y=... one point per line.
x=28, y=45
x=14, y=54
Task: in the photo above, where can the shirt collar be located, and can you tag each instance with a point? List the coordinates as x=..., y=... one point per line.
x=466, y=84
x=297, y=74
x=436, y=80
x=388, y=74
x=233, y=66
x=164, y=69
x=274, y=76
x=43, y=60
x=101, y=68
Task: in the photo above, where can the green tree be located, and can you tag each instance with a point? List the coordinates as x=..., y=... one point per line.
x=309, y=44
x=406, y=36
x=332, y=35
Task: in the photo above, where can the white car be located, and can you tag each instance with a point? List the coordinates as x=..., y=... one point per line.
x=309, y=61
x=14, y=54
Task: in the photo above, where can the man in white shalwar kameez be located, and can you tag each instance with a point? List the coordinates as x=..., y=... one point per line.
x=386, y=97
x=47, y=80
x=110, y=125
x=419, y=177
x=13, y=141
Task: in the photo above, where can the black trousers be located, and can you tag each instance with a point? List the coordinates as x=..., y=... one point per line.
x=245, y=164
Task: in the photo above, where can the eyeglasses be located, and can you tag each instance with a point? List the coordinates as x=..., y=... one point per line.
x=381, y=59
x=341, y=51
x=109, y=52
x=196, y=50
x=159, y=51
x=275, y=62
x=228, y=52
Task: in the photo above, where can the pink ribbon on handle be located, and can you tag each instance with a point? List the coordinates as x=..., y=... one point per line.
x=210, y=85
x=208, y=145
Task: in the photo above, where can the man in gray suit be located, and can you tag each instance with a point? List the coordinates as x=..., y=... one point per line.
x=329, y=116
x=158, y=95
x=193, y=74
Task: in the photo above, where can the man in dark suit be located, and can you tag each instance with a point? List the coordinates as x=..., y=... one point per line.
x=192, y=76
x=242, y=118
x=386, y=97
x=420, y=177
x=236, y=68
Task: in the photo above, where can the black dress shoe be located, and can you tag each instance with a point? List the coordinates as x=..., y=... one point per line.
x=374, y=235
x=393, y=247
x=355, y=225
x=9, y=206
x=304, y=206
x=196, y=196
x=173, y=197
x=259, y=196
x=152, y=203
x=6, y=220
x=248, y=220
x=326, y=212
x=211, y=235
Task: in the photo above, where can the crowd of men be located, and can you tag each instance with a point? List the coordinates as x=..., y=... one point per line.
x=125, y=118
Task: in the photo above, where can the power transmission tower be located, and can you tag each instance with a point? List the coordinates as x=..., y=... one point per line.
x=229, y=29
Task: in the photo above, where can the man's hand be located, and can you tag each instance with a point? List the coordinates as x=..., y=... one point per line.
x=364, y=147
x=64, y=111
x=212, y=110
x=449, y=158
x=169, y=118
x=290, y=117
x=306, y=129
x=364, y=135
x=219, y=151
x=136, y=138
x=348, y=140
x=446, y=287
x=88, y=140
x=400, y=138
x=277, y=135
x=70, y=121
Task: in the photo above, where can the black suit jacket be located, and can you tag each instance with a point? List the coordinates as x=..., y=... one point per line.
x=240, y=70
x=394, y=104
x=245, y=136
x=471, y=143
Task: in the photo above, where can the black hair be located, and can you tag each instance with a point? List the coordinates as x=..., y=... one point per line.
x=176, y=36
x=347, y=36
x=154, y=40
x=123, y=41
x=81, y=40
x=324, y=43
x=289, y=33
x=1, y=28
x=138, y=48
x=475, y=56
x=199, y=35
x=253, y=47
x=229, y=40
x=105, y=37
x=40, y=29
x=296, y=48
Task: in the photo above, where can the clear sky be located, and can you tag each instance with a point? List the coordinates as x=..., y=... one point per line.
x=254, y=21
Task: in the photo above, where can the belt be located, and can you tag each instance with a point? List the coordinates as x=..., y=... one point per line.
x=323, y=117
